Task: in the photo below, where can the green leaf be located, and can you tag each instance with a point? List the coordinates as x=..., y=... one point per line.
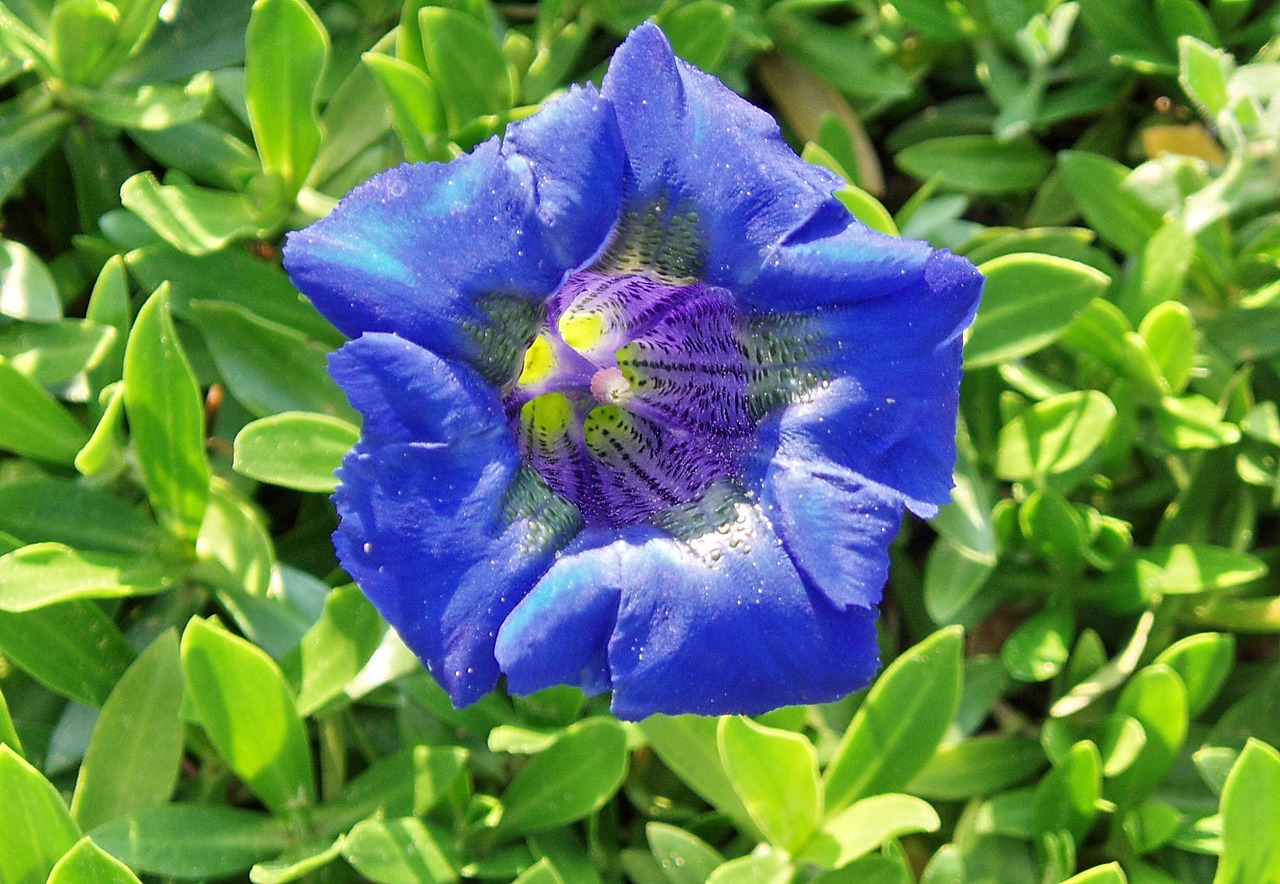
x=206, y=152
x=1111, y=873
x=138, y=19
x=297, y=862
x=1178, y=569
x=685, y=858
x=299, y=450
x=268, y=367
x=1171, y=337
x=1162, y=271
x=32, y=423
x=27, y=291
x=900, y=724
x=387, y=787
x=72, y=647
x=8, y=736
x=775, y=773
x=37, y=828
x=54, y=352
x=232, y=276
x=153, y=106
x=25, y=137
x=1054, y=436
x=87, y=863
x=245, y=707
x=166, y=420
x=1038, y=649
x=982, y=765
x=1097, y=185
x=1194, y=422
x=1251, y=817
x=416, y=111
x=1203, y=662
x=1055, y=530
x=699, y=31
x=865, y=825
x=755, y=868
x=105, y=449
x=42, y=574
x=334, y=650
x=197, y=220
x=1028, y=302
x=1067, y=797
x=688, y=745
x=465, y=64
x=193, y=840
x=571, y=780
x=977, y=163
x=133, y=757
x=81, y=34
x=1156, y=698
x=399, y=851
x=867, y=209
x=109, y=308
x=541, y=872
x=287, y=48
x=37, y=508
x=1203, y=72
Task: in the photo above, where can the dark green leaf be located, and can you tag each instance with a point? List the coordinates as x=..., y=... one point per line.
x=72, y=647
x=1097, y=184
x=977, y=163
x=568, y=781
x=268, y=367
x=32, y=423
x=193, y=840
x=982, y=765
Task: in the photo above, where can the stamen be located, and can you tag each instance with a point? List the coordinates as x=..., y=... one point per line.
x=610, y=386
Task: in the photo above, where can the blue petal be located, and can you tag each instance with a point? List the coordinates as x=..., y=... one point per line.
x=407, y=394
x=560, y=633
x=574, y=149
x=835, y=525
x=440, y=527
x=722, y=624
x=886, y=317
x=703, y=147
x=460, y=257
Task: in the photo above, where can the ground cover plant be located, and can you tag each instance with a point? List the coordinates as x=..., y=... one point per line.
x=1081, y=676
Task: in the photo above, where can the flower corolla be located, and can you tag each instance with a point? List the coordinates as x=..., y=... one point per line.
x=643, y=404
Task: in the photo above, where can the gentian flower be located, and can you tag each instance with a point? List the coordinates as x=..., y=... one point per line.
x=643, y=404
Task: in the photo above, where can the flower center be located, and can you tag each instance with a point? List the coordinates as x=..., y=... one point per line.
x=636, y=395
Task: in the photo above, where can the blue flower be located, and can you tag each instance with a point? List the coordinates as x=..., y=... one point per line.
x=643, y=404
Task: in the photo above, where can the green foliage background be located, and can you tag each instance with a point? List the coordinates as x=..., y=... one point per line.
x=1082, y=676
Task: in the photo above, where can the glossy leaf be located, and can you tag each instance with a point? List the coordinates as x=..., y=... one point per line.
x=570, y=780
x=900, y=724
x=133, y=756
x=245, y=707
x=287, y=49
x=166, y=420
x=775, y=773
x=38, y=829
x=1028, y=301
